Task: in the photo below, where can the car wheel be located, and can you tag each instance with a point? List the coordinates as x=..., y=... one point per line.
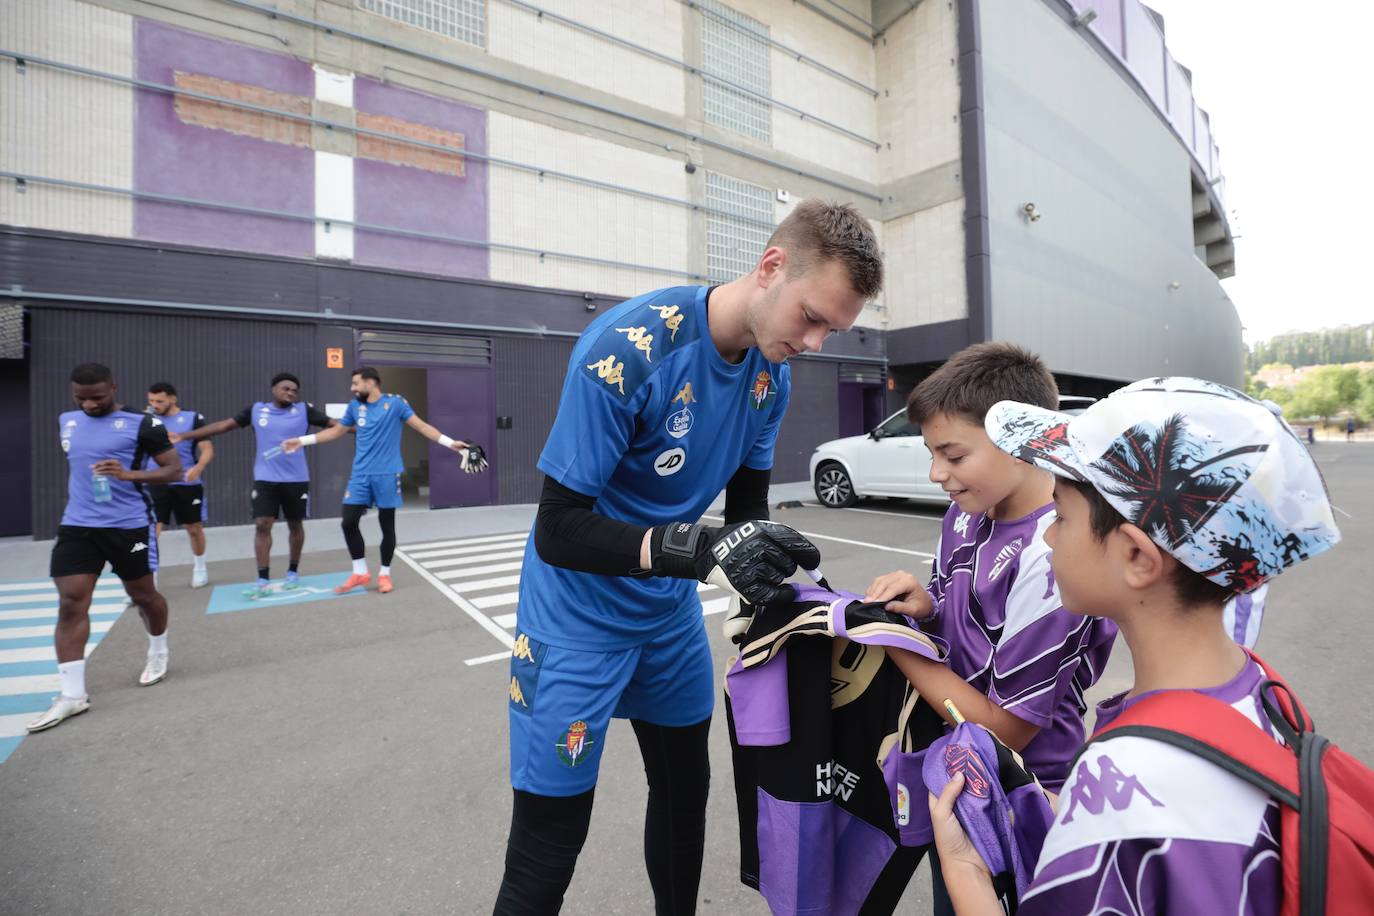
x=833, y=487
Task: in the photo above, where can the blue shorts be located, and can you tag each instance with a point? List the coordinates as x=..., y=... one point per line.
x=380, y=490
x=562, y=700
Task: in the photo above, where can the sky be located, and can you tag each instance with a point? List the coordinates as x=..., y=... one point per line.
x=1287, y=86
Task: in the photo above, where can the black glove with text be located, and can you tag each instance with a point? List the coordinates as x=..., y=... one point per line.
x=472, y=459
x=751, y=560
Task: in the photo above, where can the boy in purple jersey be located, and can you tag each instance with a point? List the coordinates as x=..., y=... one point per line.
x=184, y=499
x=1171, y=496
x=281, y=482
x=376, y=419
x=108, y=519
x=1019, y=663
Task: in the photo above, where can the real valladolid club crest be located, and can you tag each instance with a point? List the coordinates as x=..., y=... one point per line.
x=763, y=391
x=573, y=743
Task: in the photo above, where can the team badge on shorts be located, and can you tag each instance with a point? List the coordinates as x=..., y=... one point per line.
x=573, y=743
x=763, y=392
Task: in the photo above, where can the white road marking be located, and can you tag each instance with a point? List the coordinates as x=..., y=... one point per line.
x=826, y=537
x=463, y=604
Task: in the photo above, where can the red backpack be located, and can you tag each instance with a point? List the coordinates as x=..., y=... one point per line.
x=1326, y=795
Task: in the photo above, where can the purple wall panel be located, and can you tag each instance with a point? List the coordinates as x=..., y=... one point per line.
x=172, y=157
x=1145, y=51
x=416, y=199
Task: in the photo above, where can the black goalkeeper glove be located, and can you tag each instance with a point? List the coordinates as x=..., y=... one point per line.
x=750, y=560
x=473, y=459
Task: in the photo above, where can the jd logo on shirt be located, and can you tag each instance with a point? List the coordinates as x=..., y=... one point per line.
x=670, y=462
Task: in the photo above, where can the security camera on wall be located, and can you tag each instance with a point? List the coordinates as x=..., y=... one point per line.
x=1032, y=214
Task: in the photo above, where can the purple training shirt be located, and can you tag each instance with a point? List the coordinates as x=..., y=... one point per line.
x=1146, y=827
x=997, y=607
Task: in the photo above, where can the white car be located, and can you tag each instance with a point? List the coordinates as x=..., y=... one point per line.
x=890, y=460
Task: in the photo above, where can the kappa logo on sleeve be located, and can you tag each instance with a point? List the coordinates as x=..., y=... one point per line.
x=1109, y=787
x=672, y=318
x=642, y=340
x=610, y=371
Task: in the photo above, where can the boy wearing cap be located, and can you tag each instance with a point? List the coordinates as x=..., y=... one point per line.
x=1171, y=495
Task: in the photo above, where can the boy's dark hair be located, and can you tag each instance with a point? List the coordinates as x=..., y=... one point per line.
x=162, y=388
x=977, y=377
x=816, y=232
x=1192, y=588
x=92, y=374
x=285, y=377
x=368, y=372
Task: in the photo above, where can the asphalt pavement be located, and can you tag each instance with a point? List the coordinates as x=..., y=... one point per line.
x=349, y=755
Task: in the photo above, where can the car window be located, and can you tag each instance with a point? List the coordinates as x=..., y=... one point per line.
x=897, y=425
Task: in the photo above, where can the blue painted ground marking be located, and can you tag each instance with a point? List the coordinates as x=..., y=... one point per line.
x=227, y=598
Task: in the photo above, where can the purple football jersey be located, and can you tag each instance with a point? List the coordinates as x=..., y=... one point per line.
x=997, y=607
x=128, y=438
x=273, y=425
x=1146, y=827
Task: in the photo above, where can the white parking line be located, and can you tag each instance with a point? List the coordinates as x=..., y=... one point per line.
x=463, y=604
x=826, y=537
x=919, y=518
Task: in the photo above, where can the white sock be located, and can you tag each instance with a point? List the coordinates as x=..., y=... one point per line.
x=384, y=571
x=360, y=567
x=200, y=563
x=73, y=678
x=155, y=578
x=157, y=645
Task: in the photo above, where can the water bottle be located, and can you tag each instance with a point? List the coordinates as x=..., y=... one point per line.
x=100, y=488
x=272, y=452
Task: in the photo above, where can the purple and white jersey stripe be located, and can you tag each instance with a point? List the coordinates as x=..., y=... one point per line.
x=997, y=606
x=128, y=438
x=1242, y=615
x=1146, y=827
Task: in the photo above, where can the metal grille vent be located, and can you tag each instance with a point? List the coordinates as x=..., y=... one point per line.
x=735, y=51
x=465, y=20
x=734, y=242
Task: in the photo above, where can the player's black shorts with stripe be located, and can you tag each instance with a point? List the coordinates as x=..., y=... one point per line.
x=131, y=552
x=184, y=503
x=291, y=499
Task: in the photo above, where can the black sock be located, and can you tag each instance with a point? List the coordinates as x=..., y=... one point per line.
x=264, y=572
x=292, y=567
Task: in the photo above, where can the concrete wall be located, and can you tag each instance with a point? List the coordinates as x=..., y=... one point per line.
x=1106, y=283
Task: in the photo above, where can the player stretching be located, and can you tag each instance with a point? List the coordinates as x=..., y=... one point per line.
x=108, y=519
x=377, y=467
x=183, y=499
x=668, y=398
x=281, y=483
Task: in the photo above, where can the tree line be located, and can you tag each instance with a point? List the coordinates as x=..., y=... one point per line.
x=1314, y=348
x=1322, y=394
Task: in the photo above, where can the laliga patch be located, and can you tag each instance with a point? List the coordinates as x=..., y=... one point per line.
x=574, y=744
x=679, y=424
x=903, y=806
x=670, y=462
x=959, y=759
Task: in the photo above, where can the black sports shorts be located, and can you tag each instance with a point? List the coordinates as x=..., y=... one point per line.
x=184, y=503
x=131, y=552
x=291, y=499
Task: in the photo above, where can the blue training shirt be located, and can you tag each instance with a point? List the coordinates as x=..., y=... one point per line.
x=183, y=421
x=653, y=422
x=273, y=425
x=379, y=433
x=128, y=438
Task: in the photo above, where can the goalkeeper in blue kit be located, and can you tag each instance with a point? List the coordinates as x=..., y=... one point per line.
x=669, y=397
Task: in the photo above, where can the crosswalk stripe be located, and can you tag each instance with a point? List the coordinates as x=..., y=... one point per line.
x=15, y=726
x=50, y=613
x=40, y=585
x=505, y=620
x=8, y=633
x=495, y=600
x=486, y=539
x=32, y=683
x=458, y=551
x=34, y=654
x=477, y=558
x=51, y=595
x=477, y=585
x=476, y=571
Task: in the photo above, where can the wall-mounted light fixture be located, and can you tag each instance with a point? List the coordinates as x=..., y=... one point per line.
x=1084, y=18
